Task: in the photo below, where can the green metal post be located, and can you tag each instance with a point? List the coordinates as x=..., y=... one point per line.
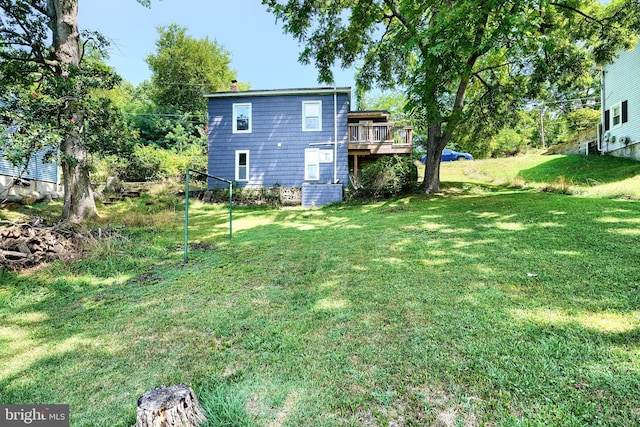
x=230, y=210
x=186, y=218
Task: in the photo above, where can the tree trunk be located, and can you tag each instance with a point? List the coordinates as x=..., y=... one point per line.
x=435, y=145
x=174, y=406
x=67, y=51
x=79, y=203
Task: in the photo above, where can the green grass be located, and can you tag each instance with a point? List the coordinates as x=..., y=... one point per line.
x=590, y=176
x=483, y=305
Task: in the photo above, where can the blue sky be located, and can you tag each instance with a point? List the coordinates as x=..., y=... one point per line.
x=261, y=53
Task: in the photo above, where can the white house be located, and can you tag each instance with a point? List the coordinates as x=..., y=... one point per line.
x=620, y=130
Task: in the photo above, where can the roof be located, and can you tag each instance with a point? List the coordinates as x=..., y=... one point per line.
x=280, y=92
x=369, y=114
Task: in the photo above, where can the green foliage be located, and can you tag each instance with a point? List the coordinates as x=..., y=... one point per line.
x=393, y=102
x=149, y=163
x=387, y=177
x=44, y=57
x=584, y=119
x=148, y=125
x=508, y=142
x=31, y=113
x=25, y=124
x=184, y=68
x=467, y=66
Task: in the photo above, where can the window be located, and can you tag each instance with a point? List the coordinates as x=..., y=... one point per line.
x=242, y=165
x=326, y=156
x=311, y=164
x=616, y=115
x=241, y=118
x=311, y=116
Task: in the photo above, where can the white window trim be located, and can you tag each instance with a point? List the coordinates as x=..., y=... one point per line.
x=304, y=116
x=237, y=165
x=311, y=157
x=326, y=156
x=235, y=117
x=613, y=108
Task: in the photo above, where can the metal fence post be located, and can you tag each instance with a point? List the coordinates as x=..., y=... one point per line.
x=186, y=217
x=186, y=208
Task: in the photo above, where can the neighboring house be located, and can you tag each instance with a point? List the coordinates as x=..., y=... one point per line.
x=39, y=179
x=620, y=128
x=303, y=139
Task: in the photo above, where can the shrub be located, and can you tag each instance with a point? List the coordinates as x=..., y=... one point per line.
x=508, y=142
x=387, y=177
x=148, y=163
x=246, y=196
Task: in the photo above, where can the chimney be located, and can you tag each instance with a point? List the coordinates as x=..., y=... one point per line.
x=234, y=86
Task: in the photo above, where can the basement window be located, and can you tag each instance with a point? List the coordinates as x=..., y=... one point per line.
x=242, y=165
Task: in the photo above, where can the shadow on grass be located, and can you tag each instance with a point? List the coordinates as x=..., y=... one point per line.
x=501, y=308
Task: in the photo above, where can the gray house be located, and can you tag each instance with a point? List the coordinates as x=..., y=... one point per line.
x=305, y=139
x=38, y=178
x=620, y=128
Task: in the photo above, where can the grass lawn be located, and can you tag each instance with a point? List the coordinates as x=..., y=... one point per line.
x=484, y=305
x=589, y=176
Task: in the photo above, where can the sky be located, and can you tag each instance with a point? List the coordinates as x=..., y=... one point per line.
x=261, y=53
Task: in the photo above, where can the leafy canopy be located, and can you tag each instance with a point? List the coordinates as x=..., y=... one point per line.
x=460, y=61
x=184, y=68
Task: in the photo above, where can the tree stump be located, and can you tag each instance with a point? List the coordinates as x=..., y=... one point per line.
x=176, y=405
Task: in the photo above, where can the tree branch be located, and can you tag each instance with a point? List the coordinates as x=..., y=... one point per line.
x=477, y=76
x=37, y=6
x=393, y=8
x=579, y=12
x=506, y=64
x=43, y=61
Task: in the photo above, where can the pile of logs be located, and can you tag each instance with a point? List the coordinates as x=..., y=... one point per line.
x=25, y=245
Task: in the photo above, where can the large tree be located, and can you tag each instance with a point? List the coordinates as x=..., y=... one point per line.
x=45, y=72
x=184, y=68
x=459, y=61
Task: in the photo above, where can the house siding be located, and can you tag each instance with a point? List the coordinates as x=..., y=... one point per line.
x=320, y=194
x=622, y=83
x=277, y=142
x=37, y=169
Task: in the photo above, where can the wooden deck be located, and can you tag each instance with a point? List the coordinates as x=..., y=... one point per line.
x=379, y=139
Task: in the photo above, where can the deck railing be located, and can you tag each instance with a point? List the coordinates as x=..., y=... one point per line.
x=377, y=133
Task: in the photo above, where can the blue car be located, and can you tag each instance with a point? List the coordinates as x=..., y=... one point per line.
x=450, y=156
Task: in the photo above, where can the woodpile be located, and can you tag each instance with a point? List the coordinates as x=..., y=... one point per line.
x=25, y=245
x=29, y=244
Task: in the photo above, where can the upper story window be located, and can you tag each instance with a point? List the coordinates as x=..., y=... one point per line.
x=311, y=116
x=619, y=114
x=616, y=115
x=242, y=118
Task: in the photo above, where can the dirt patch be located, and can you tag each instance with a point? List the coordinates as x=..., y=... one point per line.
x=204, y=246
